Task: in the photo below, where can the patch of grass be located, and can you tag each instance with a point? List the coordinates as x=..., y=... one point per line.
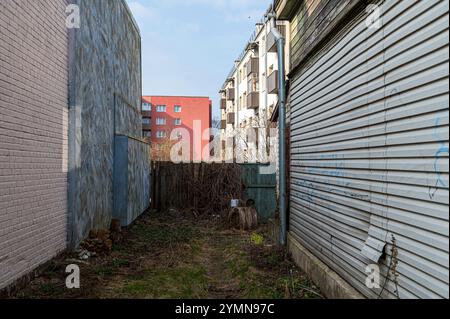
x=117, y=263
x=183, y=282
x=273, y=258
x=168, y=256
x=54, y=269
x=254, y=284
x=165, y=234
x=299, y=287
x=49, y=289
x=261, y=272
x=104, y=270
x=238, y=263
x=257, y=288
x=195, y=248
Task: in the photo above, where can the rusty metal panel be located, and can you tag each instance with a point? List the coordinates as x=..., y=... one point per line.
x=369, y=151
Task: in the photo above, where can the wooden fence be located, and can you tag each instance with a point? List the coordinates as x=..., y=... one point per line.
x=203, y=187
x=208, y=188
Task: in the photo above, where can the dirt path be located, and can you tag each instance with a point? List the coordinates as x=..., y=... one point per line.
x=173, y=256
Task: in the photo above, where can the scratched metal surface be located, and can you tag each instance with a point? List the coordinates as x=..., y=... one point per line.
x=132, y=172
x=369, y=150
x=106, y=84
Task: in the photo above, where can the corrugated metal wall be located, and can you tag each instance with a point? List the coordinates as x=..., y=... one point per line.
x=370, y=151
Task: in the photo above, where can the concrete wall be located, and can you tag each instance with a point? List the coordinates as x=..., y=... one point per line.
x=33, y=134
x=105, y=99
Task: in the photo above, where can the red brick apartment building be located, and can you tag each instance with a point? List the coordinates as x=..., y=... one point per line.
x=190, y=117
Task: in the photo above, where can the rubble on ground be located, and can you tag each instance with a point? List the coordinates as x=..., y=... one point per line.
x=100, y=241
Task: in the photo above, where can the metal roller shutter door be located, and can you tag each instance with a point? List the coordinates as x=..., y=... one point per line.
x=369, y=151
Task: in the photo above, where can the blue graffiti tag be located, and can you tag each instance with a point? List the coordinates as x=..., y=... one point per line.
x=442, y=150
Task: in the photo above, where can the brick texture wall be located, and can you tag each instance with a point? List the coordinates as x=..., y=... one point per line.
x=33, y=134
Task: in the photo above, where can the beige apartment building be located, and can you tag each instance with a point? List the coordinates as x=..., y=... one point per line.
x=249, y=98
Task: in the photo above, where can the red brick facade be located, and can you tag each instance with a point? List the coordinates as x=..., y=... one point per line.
x=191, y=115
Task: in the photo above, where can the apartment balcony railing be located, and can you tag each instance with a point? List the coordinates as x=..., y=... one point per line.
x=146, y=114
x=230, y=94
x=272, y=83
x=146, y=127
x=230, y=118
x=253, y=100
x=223, y=104
x=253, y=66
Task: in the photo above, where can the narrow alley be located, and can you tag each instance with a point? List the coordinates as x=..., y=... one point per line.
x=209, y=150
x=179, y=256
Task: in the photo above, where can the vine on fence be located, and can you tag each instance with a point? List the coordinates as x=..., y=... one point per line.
x=200, y=187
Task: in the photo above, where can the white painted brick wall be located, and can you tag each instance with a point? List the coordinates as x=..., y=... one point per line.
x=33, y=134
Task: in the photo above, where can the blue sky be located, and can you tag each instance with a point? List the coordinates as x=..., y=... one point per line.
x=188, y=46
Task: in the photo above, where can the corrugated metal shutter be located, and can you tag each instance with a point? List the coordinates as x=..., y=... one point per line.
x=369, y=168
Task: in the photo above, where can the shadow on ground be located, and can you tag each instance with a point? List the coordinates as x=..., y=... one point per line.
x=175, y=255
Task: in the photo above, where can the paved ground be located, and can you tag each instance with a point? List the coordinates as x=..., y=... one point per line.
x=174, y=256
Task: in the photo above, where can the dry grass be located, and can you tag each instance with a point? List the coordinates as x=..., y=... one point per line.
x=173, y=256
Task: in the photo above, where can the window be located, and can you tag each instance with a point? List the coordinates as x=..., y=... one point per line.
x=161, y=121
x=177, y=109
x=177, y=121
x=146, y=121
x=147, y=134
x=160, y=108
x=146, y=107
x=161, y=134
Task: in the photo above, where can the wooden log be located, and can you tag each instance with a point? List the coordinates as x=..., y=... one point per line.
x=244, y=218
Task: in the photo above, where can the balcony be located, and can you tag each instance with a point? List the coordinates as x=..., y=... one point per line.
x=223, y=104
x=147, y=114
x=253, y=100
x=271, y=43
x=230, y=118
x=146, y=123
x=272, y=83
x=223, y=124
x=253, y=66
x=230, y=94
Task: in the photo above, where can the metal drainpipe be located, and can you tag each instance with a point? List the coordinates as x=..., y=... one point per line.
x=266, y=64
x=282, y=128
x=238, y=105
